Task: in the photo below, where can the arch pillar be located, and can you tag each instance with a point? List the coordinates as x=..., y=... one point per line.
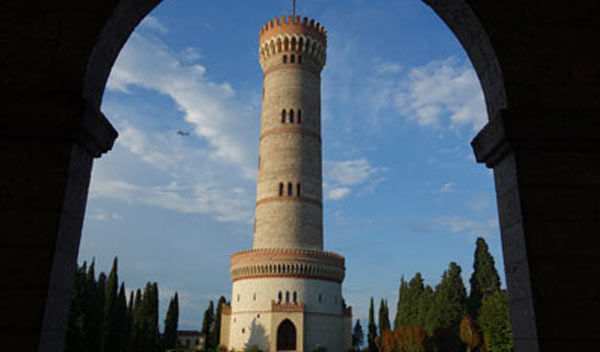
x=546, y=173
x=48, y=147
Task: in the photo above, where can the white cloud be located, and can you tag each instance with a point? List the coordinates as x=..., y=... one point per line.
x=211, y=107
x=474, y=228
x=101, y=215
x=152, y=23
x=337, y=193
x=448, y=187
x=197, y=199
x=341, y=176
x=195, y=184
x=439, y=89
x=388, y=68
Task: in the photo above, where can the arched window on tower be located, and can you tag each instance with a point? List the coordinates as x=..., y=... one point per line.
x=290, y=187
x=291, y=115
x=293, y=59
x=299, y=59
x=298, y=190
x=281, y=189
x=295, y=298
x=299, y=116
x=285, y=59
x=287, y=296
x=283, y=116
x=279, y=297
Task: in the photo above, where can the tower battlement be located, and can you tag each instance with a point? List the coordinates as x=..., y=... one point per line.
x=293, y=25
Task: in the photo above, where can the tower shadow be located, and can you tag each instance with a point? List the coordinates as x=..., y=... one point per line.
x=258, y=337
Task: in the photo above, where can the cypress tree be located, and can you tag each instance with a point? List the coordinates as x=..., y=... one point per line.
x=216, y=333
x=494, y=320
x=129, y=324
x=372, y=334
x=171, y=322
x=485, y=279
x=207, y=324
x=449, y=305
x=384, y=319
x=92, y=310
x=74, y=340
x=409, y=307
x=358, y=336
x=110, y=333
x=100, y=296
x=121, y=317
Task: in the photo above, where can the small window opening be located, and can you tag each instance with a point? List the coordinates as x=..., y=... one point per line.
x=238, y=298
x=243, y=330
x=293, y=59
x=299, y=59
x=285, y=59
x=281, y=189
x=254, y=297
x=287, y=296
x=283, y=116
x=295, y=297
x=279, y=297
x=298, y=190
x=299, y=116
x=291, y=116
x=320, y=298
x=289, y=189
x=257, y=316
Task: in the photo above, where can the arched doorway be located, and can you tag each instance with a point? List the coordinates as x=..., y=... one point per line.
x=286, y=336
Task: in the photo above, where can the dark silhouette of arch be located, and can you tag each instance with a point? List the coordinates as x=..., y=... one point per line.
x=286, y=336
x=290, y=187
x=291, y=115
x=283, y=116
x=281, y=189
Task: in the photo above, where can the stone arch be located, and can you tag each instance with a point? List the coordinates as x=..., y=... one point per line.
x=101, y=40
x=286, y=336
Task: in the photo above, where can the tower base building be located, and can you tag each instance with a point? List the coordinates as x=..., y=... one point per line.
x=287, y=291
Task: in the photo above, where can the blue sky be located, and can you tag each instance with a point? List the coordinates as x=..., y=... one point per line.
x=401, y=103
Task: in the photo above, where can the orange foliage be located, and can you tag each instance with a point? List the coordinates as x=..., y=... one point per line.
x=469, y=334
x=403, y=339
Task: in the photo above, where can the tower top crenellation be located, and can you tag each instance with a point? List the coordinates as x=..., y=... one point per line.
x=293, y=25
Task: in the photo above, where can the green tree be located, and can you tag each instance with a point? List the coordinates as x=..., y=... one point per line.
x=110, y=332
x=384, y=317
x=449, y=305
x=358, y=335
x=207, y=325
x=372, y=333
x=216, y=331
x=409, y=308
x=171, y=322
x=494, y=320
x=485, y=279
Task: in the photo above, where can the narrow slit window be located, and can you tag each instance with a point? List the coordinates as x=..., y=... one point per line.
x=299, y=116
x=283, y=116
x=299, y=59
x=285, y=59
x=298, y=189
x=291, y=116
x=295, y=297
x=279, y=297
x=289, y=189
x=287, y=296
x=281, y=189
x=293, y=59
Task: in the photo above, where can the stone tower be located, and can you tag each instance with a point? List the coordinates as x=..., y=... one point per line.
x=287, y=291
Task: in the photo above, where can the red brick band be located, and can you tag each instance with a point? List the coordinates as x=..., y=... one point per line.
x=290, y=199
x=297, y=130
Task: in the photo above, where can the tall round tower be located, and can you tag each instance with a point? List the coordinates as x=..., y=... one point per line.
x=287, y=291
